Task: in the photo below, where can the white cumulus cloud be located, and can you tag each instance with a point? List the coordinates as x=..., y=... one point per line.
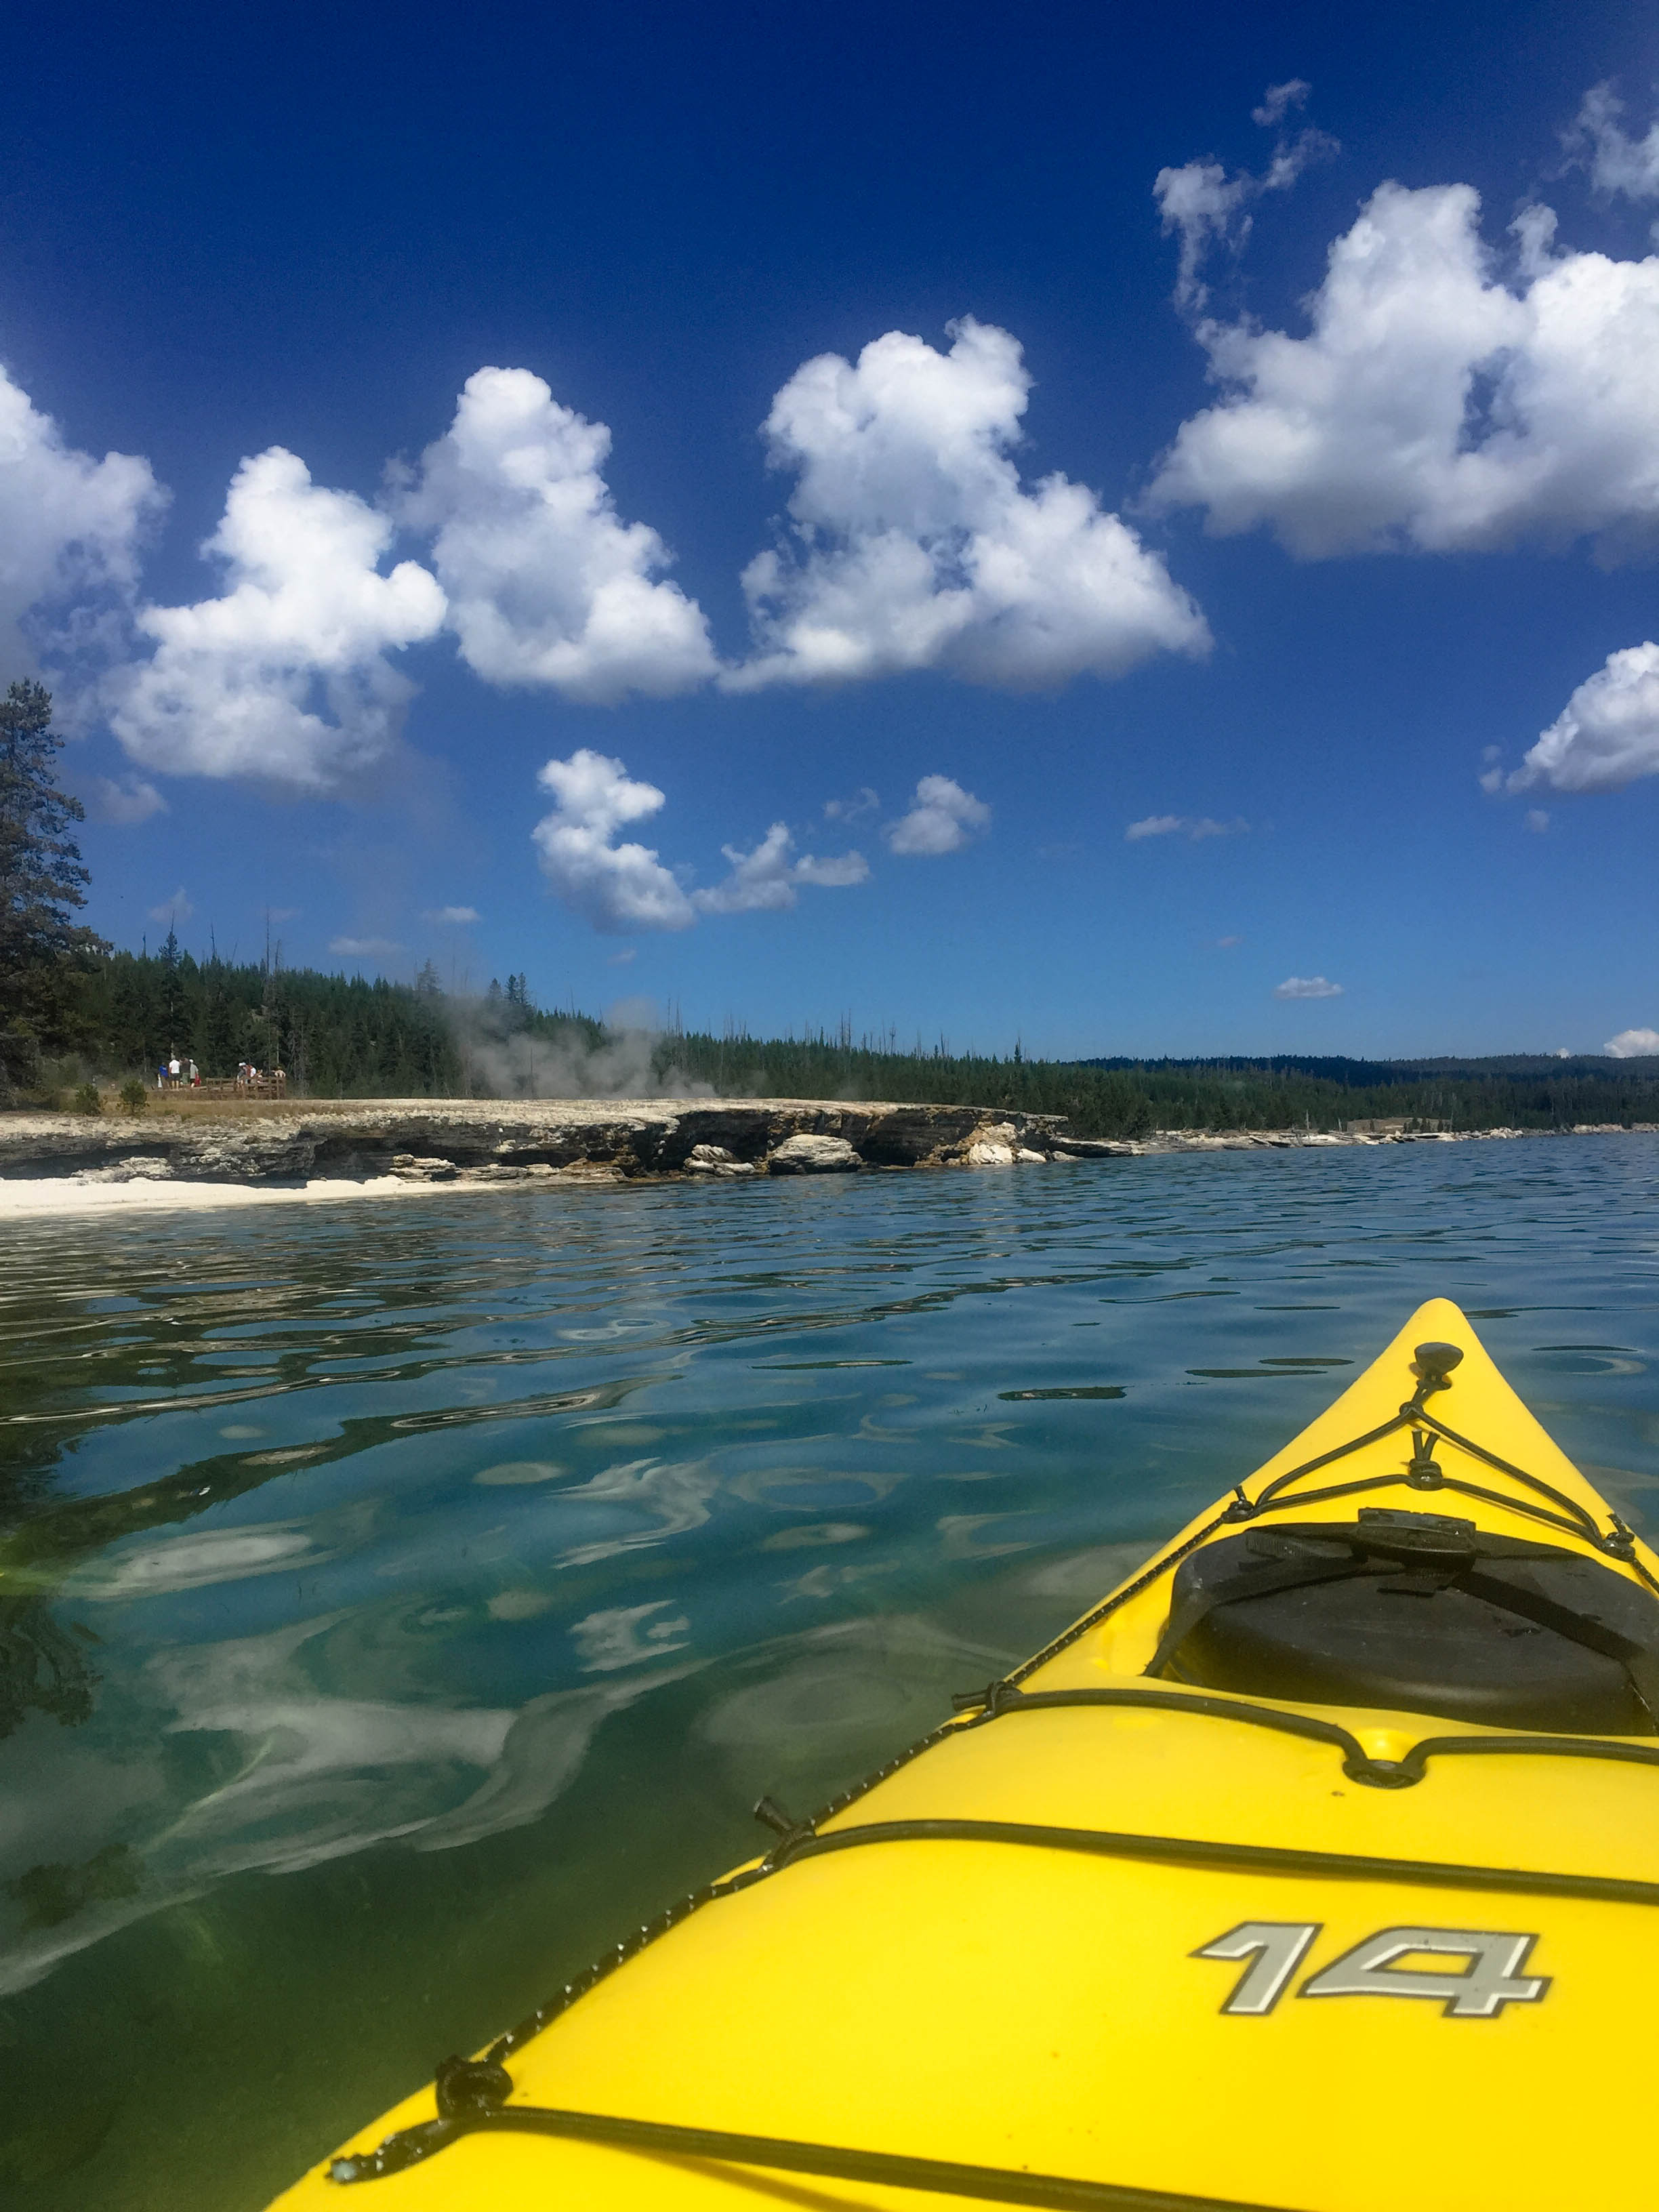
x=1198, y=202
x=620, y=887
x=179, y=908
x=1205, y=207
x=448, y=915
x=364, y=948
x=1278, y=100
x=769, y=878
x=863, y=801
x=1197, y=827
x=915, y=544
x=835, y=871
x=1307, y=987
x=124, y=799
x=1632, y=1044
x=1607, y=735
x=71, y=527
x=617, y=887
x=283, y=677
x=943, y=818
x=1438, y=402
x=1616, y=162
x=546, y=584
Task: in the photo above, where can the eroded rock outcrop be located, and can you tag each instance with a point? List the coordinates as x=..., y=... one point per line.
x=439, y=1142
x=544, y=1141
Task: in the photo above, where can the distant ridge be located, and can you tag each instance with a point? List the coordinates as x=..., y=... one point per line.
x=1363, y=1074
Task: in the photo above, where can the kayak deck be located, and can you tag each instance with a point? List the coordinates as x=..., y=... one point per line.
x=1106, y=1938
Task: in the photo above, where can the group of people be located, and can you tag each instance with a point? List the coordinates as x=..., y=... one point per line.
x=181, y=1073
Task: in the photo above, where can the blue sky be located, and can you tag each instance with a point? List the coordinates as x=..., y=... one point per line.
x=756, y=507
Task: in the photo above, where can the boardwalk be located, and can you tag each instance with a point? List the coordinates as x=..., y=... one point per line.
x=271, y=1085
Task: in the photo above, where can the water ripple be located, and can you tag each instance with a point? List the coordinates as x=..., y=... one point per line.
x=394, y=1606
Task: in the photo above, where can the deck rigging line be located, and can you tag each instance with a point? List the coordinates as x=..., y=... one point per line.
x=471, y=2105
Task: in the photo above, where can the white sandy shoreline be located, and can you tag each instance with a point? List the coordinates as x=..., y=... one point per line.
x=22, y=1197
x=103, y=1192
x=392, y=1149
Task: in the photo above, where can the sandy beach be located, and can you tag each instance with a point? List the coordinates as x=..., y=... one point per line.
x=22, y=1198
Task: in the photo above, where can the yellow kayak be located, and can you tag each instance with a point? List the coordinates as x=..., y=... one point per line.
x=1316, y=1868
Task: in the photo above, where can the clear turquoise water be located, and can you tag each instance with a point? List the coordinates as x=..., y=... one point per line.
x=405, y=1600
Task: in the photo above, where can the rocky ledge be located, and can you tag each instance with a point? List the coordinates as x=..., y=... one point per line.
x=428, y=1141
x=421, y=1141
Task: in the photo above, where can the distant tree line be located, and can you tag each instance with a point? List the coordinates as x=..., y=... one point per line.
x=340, y=1036
x=336, y=1036
x=1098, y=1103
x=1126, y=1097
x=1281, y=1092
x=123, y=1014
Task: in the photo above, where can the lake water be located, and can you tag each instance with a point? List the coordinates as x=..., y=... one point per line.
x=402, y=1600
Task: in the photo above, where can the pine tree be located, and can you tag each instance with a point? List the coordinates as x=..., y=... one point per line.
x=214, y=1031
x=173, y=1017
x=43, y=950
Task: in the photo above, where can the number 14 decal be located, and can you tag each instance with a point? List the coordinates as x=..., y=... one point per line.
x=1490, y=1977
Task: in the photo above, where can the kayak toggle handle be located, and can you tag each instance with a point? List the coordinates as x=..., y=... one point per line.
x=1433, y=1362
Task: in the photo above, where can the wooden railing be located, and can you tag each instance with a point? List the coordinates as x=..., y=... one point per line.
x=271, y=1085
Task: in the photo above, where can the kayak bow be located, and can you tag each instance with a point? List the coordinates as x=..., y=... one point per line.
x=1316, y=1868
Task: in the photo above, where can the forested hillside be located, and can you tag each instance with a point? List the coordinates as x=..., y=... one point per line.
x=337, y=1037
x=1514, y=1092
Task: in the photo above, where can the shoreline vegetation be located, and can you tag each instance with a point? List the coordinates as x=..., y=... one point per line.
x=343, y=1038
